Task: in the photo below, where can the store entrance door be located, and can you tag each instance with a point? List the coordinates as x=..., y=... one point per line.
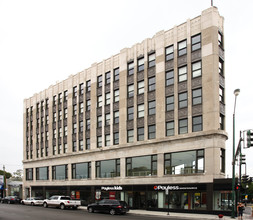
x=139, y=200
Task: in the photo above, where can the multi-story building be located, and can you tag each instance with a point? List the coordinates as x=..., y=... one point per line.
x=146, y=125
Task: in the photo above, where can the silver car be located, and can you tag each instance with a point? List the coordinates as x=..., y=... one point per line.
x=32, y=201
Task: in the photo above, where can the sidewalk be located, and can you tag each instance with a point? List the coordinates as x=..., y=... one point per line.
x=175, y=215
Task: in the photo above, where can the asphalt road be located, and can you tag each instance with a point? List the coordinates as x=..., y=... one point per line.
x=24, y=212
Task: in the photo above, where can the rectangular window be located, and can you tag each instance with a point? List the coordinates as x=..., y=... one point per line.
x=140, y=87
x=141, y=166
x=140, y=64
x=151, y=60
x=170, y=129
x=99, y=121
x=151, y=84
x=170, y=78
x=222, y=160
x=108, y=98
x=221, y=67
x=188, y=162
x=65, y=96
x=197, y=123
x=130, y=68
x=81, y=107
x=182, y=48
x=99, y=141
x=88, y=105
x=60, y=172
x=140, y=134
x=74, y=110
x=107, y=78
x=74, y=128
x=42, y=173
x=170, y=103
x=87, y=146
x=75, y=91
x=116, y=117
x=74, y=147
x=222, y=122
x=220, y=39
x=196, y=96
x=116, y=74
x=116, y=138
x=65, y=131
x=59, y=100
x=87, y=124
x=99, y=101
x=196, y=42
x=99, y=81
x=130, y=113
x=81, y=170
x=116, y=95
x=81, y=88
x=29, y=174
x=182, y=74
x=65, y=148
x=107, y=140
x=130, y=136
x=130, y=91
x=221, y=94
x=107, y=119
x=152, y=107
x=183, y=126
x=88, y=86
x=196, y=69
x=182, y=100
x=151, y=132
x=169, y=53
x=59, y=148
x=65, y=113
x=108, y=168
x=141, y=111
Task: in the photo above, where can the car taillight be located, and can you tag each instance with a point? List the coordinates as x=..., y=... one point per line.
x=119, y=207
x=12, y=199
x=67, y=201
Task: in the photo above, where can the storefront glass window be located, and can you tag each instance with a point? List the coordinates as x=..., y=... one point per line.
x=81, y=170
x=108, y=168
x=188, y=162
x=222, y=200
x=141, y=166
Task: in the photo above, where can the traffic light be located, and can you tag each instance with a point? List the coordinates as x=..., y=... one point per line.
x=249, y=138
x=245, y=178
x=238, y=187
x=242, y=159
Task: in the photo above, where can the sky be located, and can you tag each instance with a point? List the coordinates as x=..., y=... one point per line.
x=45, y=41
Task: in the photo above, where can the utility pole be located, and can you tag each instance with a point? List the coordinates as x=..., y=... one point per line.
x=4, y=191
x=212, y=3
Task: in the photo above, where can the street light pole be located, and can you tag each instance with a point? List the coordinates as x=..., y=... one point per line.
x=236, y=93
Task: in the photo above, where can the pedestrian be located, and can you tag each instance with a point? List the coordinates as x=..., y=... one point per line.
x=240, y=209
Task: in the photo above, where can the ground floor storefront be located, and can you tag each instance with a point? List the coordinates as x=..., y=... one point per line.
x=199, y=198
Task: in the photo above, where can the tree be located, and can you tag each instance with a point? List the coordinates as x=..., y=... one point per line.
x=17, y=175
x=7, y=174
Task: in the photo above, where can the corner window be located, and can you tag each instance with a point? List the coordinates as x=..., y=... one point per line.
x=220, y=39
x=197, y=123
x=196, y=69
x=151, y=60
x=196, y=42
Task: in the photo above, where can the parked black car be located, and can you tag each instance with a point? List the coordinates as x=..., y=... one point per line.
x=10, y=199
x=109, y=205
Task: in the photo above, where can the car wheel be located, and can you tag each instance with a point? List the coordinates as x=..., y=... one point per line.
x=45, y=205
x=112, y=211
x=90, y=210
x=32, y=204
x=62, y=206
